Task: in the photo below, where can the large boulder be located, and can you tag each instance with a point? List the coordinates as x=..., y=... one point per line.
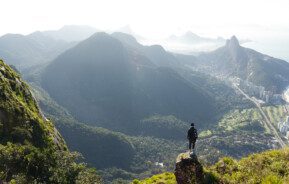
x=188, y=169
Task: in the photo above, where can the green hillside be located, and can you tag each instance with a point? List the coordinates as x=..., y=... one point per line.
x=21, y=119
x=31, y=149
x=239, y=132
x=115, y=87
x=144, y=109
x=266, y=167
x=233, y=60
x=135, y=156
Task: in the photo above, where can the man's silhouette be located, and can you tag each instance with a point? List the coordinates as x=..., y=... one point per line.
x=192, y=136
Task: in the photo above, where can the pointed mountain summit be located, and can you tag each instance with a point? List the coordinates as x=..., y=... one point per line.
x=233, y=42
x=127, y=39
x=233, y=60
x=237, y=53
x=191, y=35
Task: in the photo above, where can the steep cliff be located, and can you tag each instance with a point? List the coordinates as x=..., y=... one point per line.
x=21, y=121
x=31, y=149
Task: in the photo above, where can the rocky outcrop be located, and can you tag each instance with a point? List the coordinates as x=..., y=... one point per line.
x=188, y=169
x=233, y=43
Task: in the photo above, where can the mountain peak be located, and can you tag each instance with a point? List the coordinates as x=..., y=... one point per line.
x=126, y=38
x=100, y=37
x=233, y=42
x=190, y=34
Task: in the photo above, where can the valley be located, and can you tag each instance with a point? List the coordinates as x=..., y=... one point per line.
x=126, y=107
x=266, y=119
x=144, y=92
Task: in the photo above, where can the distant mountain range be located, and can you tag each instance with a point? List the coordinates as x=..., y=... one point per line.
x=192, y=38
x=40, y=47
x=236, y=61
x=115, y=86
x=71, y=33
x=191, y=43
x=114, y=82
x=108, y=92
x=34, y=49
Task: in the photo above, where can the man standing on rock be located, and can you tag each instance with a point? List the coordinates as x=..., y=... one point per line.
x=192, y=137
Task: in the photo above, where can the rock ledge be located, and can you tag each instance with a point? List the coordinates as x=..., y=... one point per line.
x=188, y=169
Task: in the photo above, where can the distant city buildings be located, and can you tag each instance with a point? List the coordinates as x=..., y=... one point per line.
x=283, y=127
x=258, y=91
x=259, y=94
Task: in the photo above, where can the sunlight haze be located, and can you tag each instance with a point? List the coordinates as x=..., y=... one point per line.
x=152, y=19
x=144, y=91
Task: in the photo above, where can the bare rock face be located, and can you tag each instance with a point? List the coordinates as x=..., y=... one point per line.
x=188, y=169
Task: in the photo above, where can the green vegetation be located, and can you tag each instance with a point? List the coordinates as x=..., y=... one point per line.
x=28, y=164
x=166, y=127
x=264, y=168
x=144, y=106
x=100, y=147
x=31, y=149
x=242, y=120
x=225, y=97
x=167, y=178
x=115, y=88
x=139, y=153
x=238, y=133
x=116, y=154
x=20, y=119
x=276, y=114
x=205, y=133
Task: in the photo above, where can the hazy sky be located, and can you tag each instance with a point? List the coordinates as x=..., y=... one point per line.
x=266, y=22
x=150, y=18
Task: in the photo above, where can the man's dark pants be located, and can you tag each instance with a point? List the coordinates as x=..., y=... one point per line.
x=192, y=143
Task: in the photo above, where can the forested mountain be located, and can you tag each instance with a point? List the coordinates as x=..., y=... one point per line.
x=236, y=61
x=31, y=149
x=26, y=51
x=155, y=53
x=115, y=86
x=34, y=49
x=116, y=154
x=122, y=104
x=108, y=92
